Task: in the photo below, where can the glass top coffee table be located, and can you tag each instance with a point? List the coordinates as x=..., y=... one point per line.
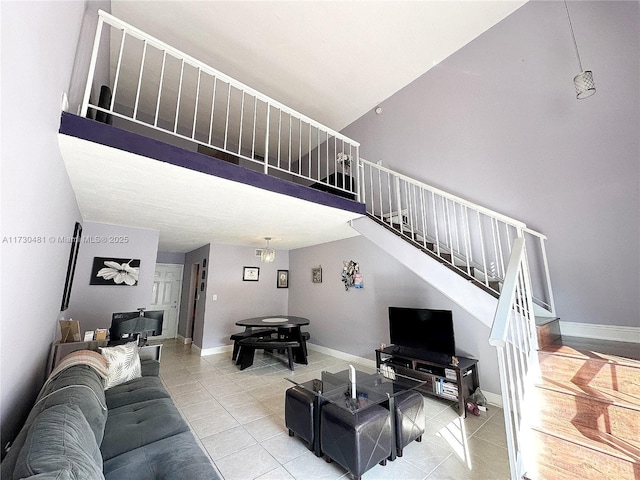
x=371, y=389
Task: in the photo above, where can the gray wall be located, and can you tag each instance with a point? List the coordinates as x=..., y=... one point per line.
x=498, y=123
x=238, y=299
x=170, y=257
x=357, y=321
x=195, y=257
x=37, y=199
x=93, y=305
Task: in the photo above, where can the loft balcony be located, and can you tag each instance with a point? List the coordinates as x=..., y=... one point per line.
x=164, y=141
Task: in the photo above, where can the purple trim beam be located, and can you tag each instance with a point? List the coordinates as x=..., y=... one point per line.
x=103, y=134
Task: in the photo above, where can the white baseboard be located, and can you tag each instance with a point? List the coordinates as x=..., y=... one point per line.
x=214, y=350
x=184, y=340
x=614, y=333
x=492, y=398
x=342, y=355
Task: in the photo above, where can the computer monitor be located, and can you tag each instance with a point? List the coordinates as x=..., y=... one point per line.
x=127, y=326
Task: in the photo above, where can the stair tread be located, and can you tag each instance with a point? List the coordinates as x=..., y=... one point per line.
x=628, y=350
x=540, y=321
x=591, y=438
x=600, y=394
x=563, y=349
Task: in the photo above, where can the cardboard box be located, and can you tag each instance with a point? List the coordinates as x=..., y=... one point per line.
x=70, y=331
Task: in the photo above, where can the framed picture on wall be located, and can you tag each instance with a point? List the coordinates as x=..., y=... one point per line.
x=316, y=275
x=283, y=278
x=250, y=274
x=115, y=271
x=71, y=266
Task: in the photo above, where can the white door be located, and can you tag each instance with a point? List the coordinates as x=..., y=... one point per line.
x=167, y=286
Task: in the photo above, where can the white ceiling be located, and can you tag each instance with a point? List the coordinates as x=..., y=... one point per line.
x=330, y=60
x=191, y=209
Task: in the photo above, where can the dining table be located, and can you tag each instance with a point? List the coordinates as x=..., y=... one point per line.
x=288, y=326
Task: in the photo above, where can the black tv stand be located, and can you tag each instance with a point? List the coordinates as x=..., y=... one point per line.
x=443, y=379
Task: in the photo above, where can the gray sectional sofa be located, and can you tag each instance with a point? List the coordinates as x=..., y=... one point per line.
x=77, y=430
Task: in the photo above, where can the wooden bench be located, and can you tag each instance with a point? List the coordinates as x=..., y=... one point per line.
x=248, y=346
x=286, y=333
x=254, y=333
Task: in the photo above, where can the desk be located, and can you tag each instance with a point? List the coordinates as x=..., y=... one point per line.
x=282, y=322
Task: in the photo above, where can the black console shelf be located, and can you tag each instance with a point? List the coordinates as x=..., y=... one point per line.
x=443, y=379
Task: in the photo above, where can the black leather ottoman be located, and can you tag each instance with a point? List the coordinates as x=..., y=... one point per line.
x=299, y=414
x=410, y=421
x=357, y=441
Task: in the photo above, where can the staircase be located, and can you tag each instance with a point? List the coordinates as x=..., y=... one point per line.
x=585, y=422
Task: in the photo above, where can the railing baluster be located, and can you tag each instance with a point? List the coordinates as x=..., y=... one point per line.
x=309, y=156
x=241, y=124
x=468, y=254
x=84, y=107
x=116, y=80
x=436, y=229
x=482, y=249
x=447, y=224
x=290, y=141
x=299, y=146
x=213, y=107
x=266, y=140
x=175, y=125
x=164, y=59
x=144, y=55
x=318, y=148
x=279, y=135
x=195, y=108
x=456, y=228
x=226, y=120
x=253, y=135
x=423, y=214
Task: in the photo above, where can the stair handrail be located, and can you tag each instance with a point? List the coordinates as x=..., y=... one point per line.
x=468, y=237
x=514, y=335
x=438, y=191
x=279, y=138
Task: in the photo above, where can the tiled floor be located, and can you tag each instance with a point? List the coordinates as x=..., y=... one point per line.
x=239, y=419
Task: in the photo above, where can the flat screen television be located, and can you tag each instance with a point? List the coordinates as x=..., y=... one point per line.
x=126, y=326
x=422, y=332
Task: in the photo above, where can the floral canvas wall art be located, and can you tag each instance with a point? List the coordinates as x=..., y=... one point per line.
x=115, y=271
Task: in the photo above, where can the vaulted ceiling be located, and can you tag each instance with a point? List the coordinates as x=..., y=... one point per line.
x=331, y=60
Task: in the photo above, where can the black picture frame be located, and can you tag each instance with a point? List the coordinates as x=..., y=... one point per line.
x=71, y=266
x=250, y=274
x=282, y=280
x=316, y=275
x=112, y=278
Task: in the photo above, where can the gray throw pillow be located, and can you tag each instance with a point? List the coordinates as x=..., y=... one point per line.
x=60, y=444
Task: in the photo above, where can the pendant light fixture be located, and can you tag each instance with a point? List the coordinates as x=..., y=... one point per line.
x=268, y=254
x=585, y=86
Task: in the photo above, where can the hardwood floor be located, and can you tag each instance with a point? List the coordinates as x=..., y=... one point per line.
x=586, y=409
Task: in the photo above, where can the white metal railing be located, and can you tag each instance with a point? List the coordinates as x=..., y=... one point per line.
x=158, y=86
x=514, y=335
x=471, y=239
